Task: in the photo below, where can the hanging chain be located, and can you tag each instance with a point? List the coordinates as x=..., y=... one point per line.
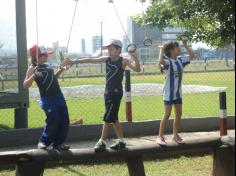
x=37, y=31
x=72, y=24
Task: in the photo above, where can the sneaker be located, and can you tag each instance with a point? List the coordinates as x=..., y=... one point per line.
x=100, y=146
x=161, y=140
x=42, y=146
x=178, y=139
x=118, y=145
x=61, y=147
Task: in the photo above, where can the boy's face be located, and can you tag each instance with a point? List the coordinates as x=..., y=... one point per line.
x=176, y=51
x=113, y=51
x=43, y=58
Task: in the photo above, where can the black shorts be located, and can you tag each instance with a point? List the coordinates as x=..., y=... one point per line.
x=112, y=105
x=174, y=102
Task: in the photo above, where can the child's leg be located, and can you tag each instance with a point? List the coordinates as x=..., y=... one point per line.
x=52, y=126
x=120, y=143
x=168, y=109
x=118, y=129
x=177, y=121
x=64, y=125
x=105, y=130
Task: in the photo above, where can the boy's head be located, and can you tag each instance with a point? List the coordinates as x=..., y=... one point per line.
x=39, y=52
x=172, y=49
x=114, y=47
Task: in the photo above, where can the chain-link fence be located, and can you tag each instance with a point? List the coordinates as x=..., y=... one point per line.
x=83, y=87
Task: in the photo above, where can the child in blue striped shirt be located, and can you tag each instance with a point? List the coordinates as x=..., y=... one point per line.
x=172, y=65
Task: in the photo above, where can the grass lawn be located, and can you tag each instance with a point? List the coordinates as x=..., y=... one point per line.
x=197, y=166
x=144, y=108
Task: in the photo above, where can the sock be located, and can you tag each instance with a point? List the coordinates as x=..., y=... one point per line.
x=101, y=140
x=121, y=140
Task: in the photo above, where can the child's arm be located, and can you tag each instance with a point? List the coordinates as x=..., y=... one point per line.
x=29, y=78
x=161, y=56
x=189, y=50
x=136, y=66
x=31, y=74
x=60, y=71
x=69, y=62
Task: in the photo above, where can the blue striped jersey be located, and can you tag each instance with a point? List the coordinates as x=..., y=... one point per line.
x=173, y=69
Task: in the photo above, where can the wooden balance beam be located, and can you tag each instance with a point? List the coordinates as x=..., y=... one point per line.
x=33, y=162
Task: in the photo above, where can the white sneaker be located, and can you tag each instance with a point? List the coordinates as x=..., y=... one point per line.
x=178, y=139
x=42, y=146
x=161, y=141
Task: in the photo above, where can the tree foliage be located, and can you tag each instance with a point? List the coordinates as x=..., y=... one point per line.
x=208, y=21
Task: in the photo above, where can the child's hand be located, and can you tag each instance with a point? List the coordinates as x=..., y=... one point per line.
x=63, y=68
x=161, y=47
x=134, y=54
x=67, y=63
x=185, y=42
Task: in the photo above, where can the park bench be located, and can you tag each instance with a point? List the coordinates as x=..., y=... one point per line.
x=33, y=162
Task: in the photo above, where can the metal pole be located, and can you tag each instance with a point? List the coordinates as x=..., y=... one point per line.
x=101, y=37
x=223, y=114
x=128, y=96
x=21, y=117
x=101, y=44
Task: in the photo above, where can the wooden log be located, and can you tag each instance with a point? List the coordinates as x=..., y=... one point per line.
x=135, y=166
x=88, y=155
x=30, y=168
x=224, y=161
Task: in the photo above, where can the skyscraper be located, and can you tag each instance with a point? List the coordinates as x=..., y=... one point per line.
x=83, y=46
x=96, y=43
x=125, y=43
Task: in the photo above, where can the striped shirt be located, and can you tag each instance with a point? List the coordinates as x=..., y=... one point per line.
x=174, y=75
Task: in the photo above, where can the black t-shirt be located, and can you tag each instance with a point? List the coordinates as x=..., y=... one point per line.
x=48, y=84
x=114, y=77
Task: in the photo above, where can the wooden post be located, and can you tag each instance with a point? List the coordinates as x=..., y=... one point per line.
x=223, y=114
x=224, y=161
x=30, y=168
x=135, y=166
x=129, y=115
x=21, y=118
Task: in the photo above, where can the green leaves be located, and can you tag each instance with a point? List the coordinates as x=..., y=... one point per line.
x=208, y=21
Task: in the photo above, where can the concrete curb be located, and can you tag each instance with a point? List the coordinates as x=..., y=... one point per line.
x=10, y=138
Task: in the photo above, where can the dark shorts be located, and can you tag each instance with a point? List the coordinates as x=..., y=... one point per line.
x=112, y=105
x=174, y=102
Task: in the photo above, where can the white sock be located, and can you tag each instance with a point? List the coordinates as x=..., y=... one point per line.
x=121, y=140
x=101, y=140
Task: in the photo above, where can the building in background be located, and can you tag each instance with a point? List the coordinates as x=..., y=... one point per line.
x=137, y=36
x=125, y=42
x=83, y=46
x=96, y=43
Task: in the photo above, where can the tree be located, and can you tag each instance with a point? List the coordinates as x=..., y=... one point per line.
x=208, y=21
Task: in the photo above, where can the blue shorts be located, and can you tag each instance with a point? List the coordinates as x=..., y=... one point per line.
x=174, y=102
x=112, y=105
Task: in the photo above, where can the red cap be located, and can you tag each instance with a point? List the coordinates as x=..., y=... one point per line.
x=41, y=50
